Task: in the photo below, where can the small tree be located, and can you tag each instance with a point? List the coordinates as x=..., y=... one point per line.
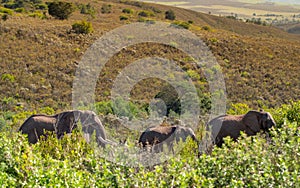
x=170, y=15
x=60, y=10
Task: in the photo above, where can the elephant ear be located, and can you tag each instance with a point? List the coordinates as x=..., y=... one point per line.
x=66, y=122
x=251, y=120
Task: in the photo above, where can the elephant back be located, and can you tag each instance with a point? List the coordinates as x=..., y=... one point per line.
x=33, y=120
x=156, y=134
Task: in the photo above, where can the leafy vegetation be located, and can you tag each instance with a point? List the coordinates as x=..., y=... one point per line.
x=87, y=9
x=170, y=15
x=250, y=162
x=82, y=27
x=145, y=13
x=122, y=17
x=60, y=9
x=127, y=11
x=181, y=24
x=6, y=11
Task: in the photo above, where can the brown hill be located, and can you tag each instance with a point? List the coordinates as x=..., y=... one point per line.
x=38, y=57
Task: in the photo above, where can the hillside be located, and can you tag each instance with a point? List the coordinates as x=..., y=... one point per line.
x=39, y=57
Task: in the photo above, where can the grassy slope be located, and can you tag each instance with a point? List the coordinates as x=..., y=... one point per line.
x=261, y=64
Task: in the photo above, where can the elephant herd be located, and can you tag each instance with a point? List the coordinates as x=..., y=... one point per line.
x=216, y=129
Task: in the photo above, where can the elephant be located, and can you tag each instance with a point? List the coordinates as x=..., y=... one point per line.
x=36, y=125
x=64, y=123
x=231, y=125
x=156, y=136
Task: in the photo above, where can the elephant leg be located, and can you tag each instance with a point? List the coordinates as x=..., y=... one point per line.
x=156, y=148
x=219, y=142
x=32, y=137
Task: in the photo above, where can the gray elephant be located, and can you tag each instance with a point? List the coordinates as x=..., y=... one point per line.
x=156, y=136
x=37, y=125
x=63, y=123
x=231, y=125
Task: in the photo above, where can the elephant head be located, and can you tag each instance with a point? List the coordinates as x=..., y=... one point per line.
x=231, y=125
x=66, y=122
x=156, y=136
x=258, y=120
x=91, y=123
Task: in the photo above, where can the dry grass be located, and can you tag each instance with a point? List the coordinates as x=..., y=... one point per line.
x=261, y=64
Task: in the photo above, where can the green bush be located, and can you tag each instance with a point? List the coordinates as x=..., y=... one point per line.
x=8, y=77
x=149, y=21
x=20, y=10
x=60, y=10
x=122, y=17
x=69, y=162
x=6, y=11
x=127, y=109
x=38, y=14
x=82, y=27
x=104, y=107
x=12, y=5
x=238, y=108
x=288, y=113
x=251, y=162
x=41, y=6
x=206, y=28
x=145, y=13
x=170, y=15
x=127, y=11
x=87, y=9
x=184, y=25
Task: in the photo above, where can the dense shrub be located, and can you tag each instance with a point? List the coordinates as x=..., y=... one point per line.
x=180, y=24
x=251, y=162
x=127, y=11
x=170, y=97
x=206, y=28
x=122, y=17
x=41, y=6
x=6, y=11
x=60, y=10
x=145, y=13
x=82, y=27
x=87, y=9
x=38, y=14
x=20, y=10
x=28, y=5
x=170, y=15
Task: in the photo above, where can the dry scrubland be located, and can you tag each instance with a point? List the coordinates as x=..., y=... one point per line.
x=260, y=63
x=38, y=60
